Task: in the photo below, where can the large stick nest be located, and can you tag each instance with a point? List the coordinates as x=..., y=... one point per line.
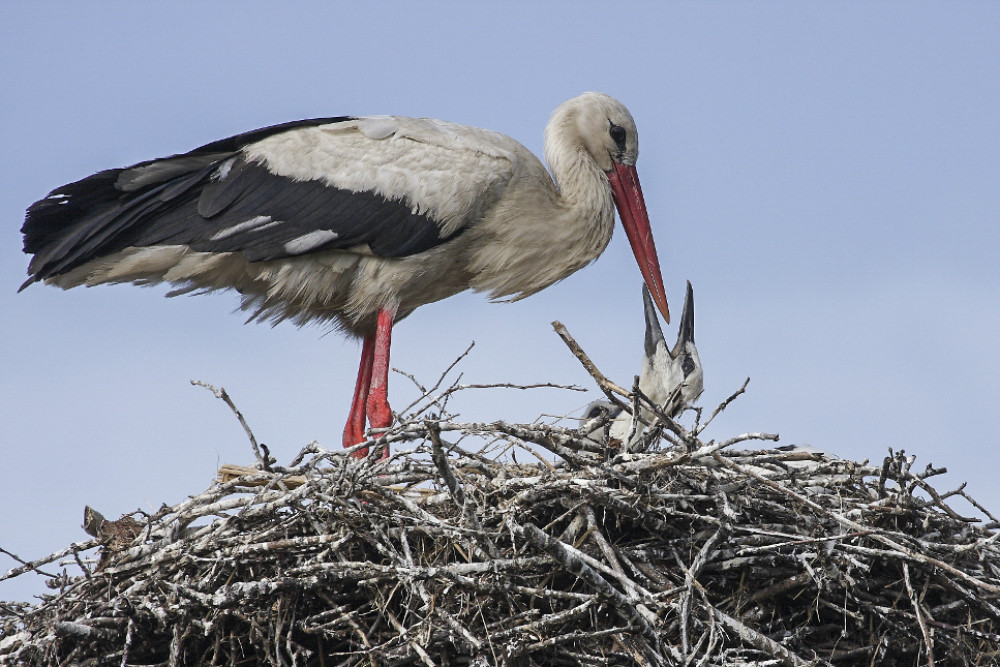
x=682, y=551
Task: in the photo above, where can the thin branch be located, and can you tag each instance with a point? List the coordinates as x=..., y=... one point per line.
x=609, y=388
x=221, y=393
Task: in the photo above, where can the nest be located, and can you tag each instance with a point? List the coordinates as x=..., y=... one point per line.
x=674, y=550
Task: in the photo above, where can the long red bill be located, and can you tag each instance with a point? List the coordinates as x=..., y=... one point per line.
x=632, y=210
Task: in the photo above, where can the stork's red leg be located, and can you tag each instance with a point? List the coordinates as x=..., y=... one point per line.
x=354, y=432
x=379, y=412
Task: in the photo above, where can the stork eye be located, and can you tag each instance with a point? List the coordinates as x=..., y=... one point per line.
x=618, y=135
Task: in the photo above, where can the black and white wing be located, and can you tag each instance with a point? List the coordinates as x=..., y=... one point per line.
x=281, y=191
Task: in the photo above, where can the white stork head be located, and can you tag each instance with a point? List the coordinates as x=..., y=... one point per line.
x=592, y=117
x=605, y=130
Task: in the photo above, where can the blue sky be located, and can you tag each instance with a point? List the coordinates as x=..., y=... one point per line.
x=825, y=174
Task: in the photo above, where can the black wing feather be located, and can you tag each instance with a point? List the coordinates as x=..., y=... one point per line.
x=199, y=199
x=249, y=191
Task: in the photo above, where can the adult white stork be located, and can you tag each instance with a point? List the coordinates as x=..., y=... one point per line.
x=356, y=221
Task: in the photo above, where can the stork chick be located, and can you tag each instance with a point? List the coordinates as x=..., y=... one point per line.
x=671, y=379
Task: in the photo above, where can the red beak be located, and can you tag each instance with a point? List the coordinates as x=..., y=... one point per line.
x=632, y=210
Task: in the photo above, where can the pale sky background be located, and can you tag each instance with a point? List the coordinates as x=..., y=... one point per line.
x=827, y=175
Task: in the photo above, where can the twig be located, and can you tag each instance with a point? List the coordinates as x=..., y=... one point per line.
x=928, y=641
x=607, y=386
x=722, y=406
x=757, y=640
x=222, y=394
x=32, y=566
